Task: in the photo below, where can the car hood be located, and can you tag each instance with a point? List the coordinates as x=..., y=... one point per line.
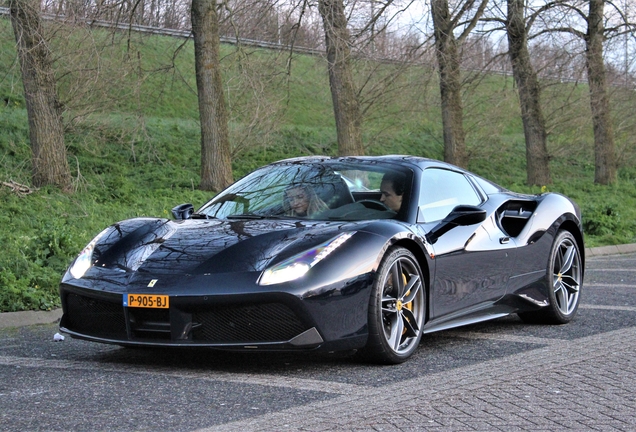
x=162, y=246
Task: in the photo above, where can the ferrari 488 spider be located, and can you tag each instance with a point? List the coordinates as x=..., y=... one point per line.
x=355, y=253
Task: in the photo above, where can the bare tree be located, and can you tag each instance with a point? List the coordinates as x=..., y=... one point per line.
x=449, y=60
x=216, y=166
x=346, y=105
x=594, y=36
x=172, y=14
x=46, y=131
x=568, y=17
x=299, y=26
x=537, y=159
x=604, y=149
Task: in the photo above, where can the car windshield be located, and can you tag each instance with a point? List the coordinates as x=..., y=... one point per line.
x=316, y=190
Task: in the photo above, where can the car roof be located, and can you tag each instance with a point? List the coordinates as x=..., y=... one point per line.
x=404, y=160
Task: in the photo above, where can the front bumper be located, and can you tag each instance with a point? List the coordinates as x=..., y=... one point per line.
x=239, y=324
x=302, y=317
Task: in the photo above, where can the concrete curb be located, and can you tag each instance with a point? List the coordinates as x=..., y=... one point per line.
x=610, y=250
x=27, y=318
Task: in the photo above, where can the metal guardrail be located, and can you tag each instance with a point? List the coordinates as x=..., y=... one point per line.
x=186, y=34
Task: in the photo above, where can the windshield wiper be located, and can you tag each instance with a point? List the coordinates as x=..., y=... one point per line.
x=246, y=216
x=253, y=216
x=201, y=216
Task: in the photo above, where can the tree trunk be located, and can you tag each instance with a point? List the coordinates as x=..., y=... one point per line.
x=46, y=130
x=604, y=151
x=346, y=106
x=449, y=84
x=537, y=159
x=216, y=164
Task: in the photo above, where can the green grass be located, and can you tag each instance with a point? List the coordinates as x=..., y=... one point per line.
x=133, y=142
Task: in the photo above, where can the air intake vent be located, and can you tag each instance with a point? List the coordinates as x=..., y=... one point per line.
x=95, y=317
x=270, y=322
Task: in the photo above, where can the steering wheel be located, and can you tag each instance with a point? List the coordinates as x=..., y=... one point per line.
x=374, y=205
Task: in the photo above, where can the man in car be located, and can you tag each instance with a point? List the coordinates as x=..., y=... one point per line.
x=392, y=189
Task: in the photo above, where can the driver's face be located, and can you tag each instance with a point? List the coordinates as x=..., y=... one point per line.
x=389, y=197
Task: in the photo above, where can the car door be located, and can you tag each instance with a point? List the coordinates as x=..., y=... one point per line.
x=472, y=263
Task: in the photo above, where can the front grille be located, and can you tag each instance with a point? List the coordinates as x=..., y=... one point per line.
x=149, y=323
x=95, y=317
x=238, y=323
x=269, y=322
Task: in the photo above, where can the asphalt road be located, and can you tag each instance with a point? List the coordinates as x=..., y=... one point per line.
x=501, y=375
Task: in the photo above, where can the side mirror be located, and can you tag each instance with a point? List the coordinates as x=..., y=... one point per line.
x=183, y=211
x=462, y=215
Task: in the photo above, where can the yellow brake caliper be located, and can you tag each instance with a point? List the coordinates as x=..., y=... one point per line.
x=408, y=305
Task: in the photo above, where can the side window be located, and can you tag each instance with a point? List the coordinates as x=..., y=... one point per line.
x=441, y=191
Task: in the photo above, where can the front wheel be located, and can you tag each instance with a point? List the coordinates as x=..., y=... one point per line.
x=397, y=309
x=565, y=277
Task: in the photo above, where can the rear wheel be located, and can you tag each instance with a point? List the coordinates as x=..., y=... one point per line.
x=397, y=309
x=565, y=277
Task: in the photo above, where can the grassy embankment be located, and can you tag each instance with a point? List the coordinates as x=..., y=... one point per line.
x=140, y=156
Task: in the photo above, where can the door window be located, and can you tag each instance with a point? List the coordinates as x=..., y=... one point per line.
x=441, y=191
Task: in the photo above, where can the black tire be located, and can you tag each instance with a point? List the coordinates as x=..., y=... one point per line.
x=564, y=279
x=397, y=309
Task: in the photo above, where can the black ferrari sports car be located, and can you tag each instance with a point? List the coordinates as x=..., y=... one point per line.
x=354, y=253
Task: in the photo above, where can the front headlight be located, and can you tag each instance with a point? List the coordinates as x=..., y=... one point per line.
x=84, y=260
x=296, y=266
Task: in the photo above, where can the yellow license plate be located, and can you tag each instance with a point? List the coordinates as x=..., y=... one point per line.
x=154, y=301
